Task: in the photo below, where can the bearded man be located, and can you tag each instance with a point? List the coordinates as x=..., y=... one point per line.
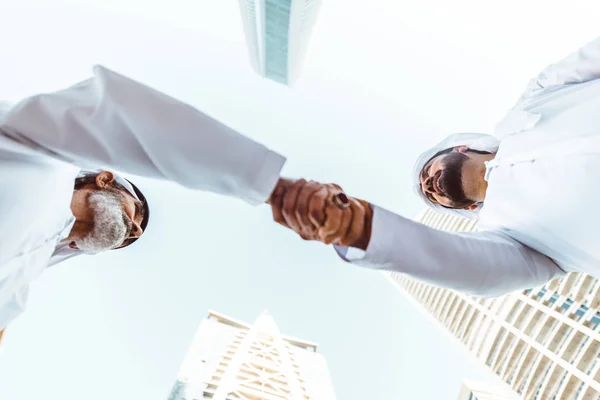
x=533, y=188
x=57, y=198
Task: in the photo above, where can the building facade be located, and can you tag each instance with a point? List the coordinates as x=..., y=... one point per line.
x=278, y=34
x=229, y=359
x=544, y=342
x=472, y=390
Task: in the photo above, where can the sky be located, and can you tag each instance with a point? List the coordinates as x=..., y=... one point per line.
x=383, y=80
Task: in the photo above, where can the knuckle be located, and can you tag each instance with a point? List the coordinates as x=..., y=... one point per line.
x=299, y=183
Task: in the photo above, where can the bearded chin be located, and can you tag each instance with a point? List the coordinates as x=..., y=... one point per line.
x=110, y=227
x=451, y=180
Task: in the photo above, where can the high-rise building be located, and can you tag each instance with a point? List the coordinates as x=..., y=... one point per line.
x=471, y=390
x=544, y=341
x=229, y=359
x=278, y=34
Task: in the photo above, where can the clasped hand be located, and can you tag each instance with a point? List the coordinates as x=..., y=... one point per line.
x=322, y=212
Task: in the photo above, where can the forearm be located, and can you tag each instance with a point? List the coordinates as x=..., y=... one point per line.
x=581, y=66
x=479, y=263
x=112, y=121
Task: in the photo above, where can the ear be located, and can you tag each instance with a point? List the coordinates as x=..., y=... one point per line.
x=471, y=207
x=104, y=179
x=460, y=149
x=73, y=245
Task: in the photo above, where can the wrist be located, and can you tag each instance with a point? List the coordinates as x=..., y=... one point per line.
x=279, y=189
x=364, y=239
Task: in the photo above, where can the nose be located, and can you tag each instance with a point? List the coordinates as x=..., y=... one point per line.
x=136, y=230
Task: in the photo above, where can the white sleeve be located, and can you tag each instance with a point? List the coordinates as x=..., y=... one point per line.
x=580, y=66
x=13, y=307
x=484, y=264
x=111, y=121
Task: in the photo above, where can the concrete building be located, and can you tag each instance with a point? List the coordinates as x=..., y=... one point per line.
x=544, y=342
x=229, y=359
x=471, y=390
x=278, y=34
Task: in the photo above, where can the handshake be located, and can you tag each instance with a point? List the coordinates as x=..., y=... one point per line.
x=322, y=212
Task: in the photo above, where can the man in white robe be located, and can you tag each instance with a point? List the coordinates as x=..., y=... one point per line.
x=57, y=200
x=533, y=186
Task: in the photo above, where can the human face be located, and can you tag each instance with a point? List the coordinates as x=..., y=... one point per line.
x=115, y=219
x=110, y=226
x=107, y=217
x=450, y=180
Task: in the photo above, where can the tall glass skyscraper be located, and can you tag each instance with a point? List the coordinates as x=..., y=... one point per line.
x=278, y=34
x=544, y=342
x=229, y=359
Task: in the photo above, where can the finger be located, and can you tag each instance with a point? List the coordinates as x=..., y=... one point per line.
x=276, y=204
x=333, y=220
x=356, y=226
x=316, y=206
x=276, y=200
x=342, y=227
x=302, y=203
x=289, y=204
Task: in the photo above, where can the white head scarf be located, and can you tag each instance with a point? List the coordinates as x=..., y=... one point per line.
x=475, y=141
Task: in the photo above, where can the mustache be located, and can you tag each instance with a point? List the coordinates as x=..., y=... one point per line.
x=450, y=183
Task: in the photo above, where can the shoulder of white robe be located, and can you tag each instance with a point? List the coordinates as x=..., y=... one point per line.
x=516, y=121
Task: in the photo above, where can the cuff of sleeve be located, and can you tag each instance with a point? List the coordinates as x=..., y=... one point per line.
x=349, y=254
x=266, y=179
x=352, y=254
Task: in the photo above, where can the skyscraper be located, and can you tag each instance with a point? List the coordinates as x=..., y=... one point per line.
x=471, y=390
x=278, y=34
x=229, y=359
x=544, y=342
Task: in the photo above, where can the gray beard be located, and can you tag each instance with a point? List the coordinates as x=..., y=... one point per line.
x=111, y=225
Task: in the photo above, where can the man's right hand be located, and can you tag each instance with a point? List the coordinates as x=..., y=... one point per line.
x=309, y=209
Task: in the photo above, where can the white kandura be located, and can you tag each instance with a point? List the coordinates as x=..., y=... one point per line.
x=539, y=218
x=106, y=122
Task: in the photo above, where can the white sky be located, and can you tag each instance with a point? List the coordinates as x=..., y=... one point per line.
x=383, y=80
